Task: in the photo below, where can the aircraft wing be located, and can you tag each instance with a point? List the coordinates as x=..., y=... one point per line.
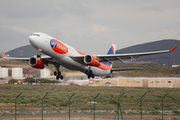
x=121, y=57
x=132, y=56
x=44, y=58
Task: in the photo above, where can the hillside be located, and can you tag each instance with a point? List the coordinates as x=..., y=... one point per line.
x=27, y=51
x=148, y=70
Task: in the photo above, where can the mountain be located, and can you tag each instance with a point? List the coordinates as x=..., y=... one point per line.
x=24, y=51
x=168, y=59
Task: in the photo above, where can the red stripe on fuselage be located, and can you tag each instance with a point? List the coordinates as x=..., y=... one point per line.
x=81, y=53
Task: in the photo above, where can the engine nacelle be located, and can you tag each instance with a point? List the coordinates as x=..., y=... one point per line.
x=36, y=62
x=91, y=60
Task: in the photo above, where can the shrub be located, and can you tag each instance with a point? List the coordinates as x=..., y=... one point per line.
x=156, y=107
x=12, y=81
x=30, y=79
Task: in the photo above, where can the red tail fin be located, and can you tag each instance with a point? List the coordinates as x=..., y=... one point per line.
x=3, y=55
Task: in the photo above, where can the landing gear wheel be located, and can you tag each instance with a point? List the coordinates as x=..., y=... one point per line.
x=61, y=77
x=57, y=77
x=55, y=73
x=92, y=76
x=59, y=73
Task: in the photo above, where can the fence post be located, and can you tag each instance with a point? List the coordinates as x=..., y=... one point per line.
x=162, y=104
x=141, y=104
x=15, y=103
x=94, y=104
x=42, y=104
x=69, y=104
x=119, y=105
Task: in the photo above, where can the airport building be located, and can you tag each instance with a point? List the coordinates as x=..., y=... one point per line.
x=44, y=73
x=3, y=72
x=17, y=73
x=139, y=82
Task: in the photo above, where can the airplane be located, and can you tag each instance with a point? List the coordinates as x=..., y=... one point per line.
x=59, y=53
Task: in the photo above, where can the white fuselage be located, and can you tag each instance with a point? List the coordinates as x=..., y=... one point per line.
x=62, y=53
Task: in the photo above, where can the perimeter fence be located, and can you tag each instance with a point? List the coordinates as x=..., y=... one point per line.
x=24, y=107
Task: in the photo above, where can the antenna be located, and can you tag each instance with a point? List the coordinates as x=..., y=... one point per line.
x=21, y=51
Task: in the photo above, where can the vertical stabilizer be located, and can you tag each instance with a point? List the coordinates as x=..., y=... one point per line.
x=112, y=50
x=3, y=55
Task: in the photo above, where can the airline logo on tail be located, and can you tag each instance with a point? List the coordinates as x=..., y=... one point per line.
x=112, y=50
x=58, y=47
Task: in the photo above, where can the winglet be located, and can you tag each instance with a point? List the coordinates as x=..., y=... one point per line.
x=173, y=48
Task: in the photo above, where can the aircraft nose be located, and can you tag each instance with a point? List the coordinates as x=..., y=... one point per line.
x=34, y=40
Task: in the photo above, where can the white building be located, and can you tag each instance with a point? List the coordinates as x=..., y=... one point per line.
x=3, y=72
x=44, y=73
x=17, y=72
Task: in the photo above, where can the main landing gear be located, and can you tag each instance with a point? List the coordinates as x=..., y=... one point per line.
x=89, y=73
x=58, y=73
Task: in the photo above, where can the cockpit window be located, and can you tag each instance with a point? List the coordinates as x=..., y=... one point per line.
x=35, y=35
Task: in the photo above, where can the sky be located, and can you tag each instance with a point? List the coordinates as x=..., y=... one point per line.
x=90, y=26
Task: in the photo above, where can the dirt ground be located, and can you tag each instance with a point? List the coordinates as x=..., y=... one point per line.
x=89, y=117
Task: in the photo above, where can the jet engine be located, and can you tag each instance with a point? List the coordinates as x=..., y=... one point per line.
x=91, y=60
x=36, y=62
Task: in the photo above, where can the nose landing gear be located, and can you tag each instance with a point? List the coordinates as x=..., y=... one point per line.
x=38, y=55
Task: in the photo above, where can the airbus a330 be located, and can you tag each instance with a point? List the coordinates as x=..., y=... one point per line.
x=59, y=53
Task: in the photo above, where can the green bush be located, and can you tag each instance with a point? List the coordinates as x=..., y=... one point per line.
x=156, y=107
x=12, y=81
x=30, y=79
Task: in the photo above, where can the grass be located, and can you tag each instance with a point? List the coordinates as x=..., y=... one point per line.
x=149, y=70
x=58, y=97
